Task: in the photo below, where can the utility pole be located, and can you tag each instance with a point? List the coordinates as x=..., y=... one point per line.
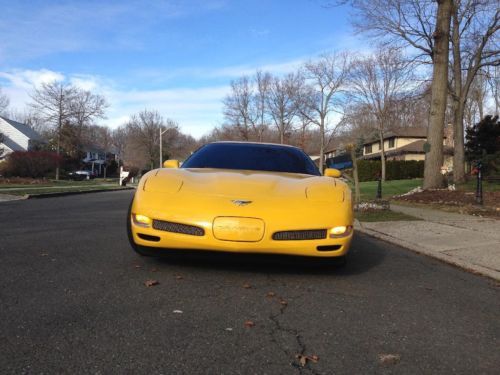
x=161, y=144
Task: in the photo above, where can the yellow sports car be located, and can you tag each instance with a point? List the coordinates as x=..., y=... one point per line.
x=242, y=197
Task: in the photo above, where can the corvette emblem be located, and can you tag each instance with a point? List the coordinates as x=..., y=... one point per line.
x=240, y=202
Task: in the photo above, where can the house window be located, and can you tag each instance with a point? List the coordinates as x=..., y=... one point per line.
x=368, y=149
x=391, y=142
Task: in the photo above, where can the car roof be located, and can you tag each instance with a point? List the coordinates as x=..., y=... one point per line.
x=253, y=143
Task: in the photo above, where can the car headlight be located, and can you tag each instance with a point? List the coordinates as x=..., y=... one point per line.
x=141, y=220
x=340, y=231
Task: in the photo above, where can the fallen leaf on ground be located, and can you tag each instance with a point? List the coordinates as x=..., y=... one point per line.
x=270, y=294
x=151, y=282
x=177, y=311
x=154, y=270
x=304, y=358
x=389, y=359
x=249, y=324
x=283, y=302
x=178, y=277
x=137, y=266
x=44, y=254
x=247, y=286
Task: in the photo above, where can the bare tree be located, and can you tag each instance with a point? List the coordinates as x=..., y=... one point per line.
x=145, y=129
x=380, y=82
x=282, y=102
x=325, y=79
x=119, y=140
x=53, y=101
x=474, y=25
x=86, y=108
x=238, y=110
x=4, y=101
x=434, y=155
x=400, y=22
x=493, y=78
x=413, y=23
x=262, y=83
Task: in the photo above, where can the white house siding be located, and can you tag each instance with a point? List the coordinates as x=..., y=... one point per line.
x=15, y=135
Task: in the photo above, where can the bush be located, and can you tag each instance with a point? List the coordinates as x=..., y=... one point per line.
x=369, y=170
x=33, y=164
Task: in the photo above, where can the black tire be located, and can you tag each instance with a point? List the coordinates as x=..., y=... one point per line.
x=141, y=250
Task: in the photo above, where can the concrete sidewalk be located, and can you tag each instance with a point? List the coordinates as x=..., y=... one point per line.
x=467, y=241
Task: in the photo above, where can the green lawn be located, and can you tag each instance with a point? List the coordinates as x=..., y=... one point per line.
x=22, y=191
x=53, y=186
x=389, y=188
x=471, y=186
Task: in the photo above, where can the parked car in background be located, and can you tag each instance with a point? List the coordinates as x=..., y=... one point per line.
x=82, y=175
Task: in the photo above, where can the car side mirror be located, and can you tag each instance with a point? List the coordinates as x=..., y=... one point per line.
x=332, y=172
x=171, y=163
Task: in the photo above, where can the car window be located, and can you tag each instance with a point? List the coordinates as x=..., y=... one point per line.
x=252, y=156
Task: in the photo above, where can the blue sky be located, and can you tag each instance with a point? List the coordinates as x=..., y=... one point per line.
x=175, y=56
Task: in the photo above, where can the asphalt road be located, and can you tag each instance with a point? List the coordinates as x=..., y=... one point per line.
x=73, y=300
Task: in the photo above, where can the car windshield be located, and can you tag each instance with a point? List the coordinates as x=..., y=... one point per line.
x=252, y=156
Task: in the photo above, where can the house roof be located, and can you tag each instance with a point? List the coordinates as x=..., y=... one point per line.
x=410, y=132
x=23, y=128
x=12, y=145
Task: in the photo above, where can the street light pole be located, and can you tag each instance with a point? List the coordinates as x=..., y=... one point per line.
x=161, y=144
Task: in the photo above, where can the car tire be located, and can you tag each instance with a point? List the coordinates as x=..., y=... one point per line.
x=141, y=250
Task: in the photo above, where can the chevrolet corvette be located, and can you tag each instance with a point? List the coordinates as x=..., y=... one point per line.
x=242, y=197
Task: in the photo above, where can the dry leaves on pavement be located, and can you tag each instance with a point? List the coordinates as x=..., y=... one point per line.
x=151, y=282
x=249, y=324
x=389, y=359
x=247, y=286
x=304, y=358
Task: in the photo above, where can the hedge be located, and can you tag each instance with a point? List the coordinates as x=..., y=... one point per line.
x=29, y=164
x=369, y=170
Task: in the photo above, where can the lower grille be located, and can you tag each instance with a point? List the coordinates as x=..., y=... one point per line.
x=168, y=226
x=298, y=235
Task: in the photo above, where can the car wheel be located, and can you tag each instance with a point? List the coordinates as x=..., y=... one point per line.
x=141, y=250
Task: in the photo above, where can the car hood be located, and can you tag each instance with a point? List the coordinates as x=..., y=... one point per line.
x=242, y=184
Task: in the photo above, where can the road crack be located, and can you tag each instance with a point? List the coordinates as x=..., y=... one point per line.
x=278, y=328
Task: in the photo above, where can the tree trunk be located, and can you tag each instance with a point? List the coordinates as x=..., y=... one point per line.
x=439, y=90
x=458, y=105
x=357, y=194
x=382, y=154
x=458, y=143
x=322, y=144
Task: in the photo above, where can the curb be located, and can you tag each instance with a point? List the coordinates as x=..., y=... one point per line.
x=64, y=193
x=467, y=266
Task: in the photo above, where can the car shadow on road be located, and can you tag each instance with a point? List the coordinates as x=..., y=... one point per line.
x=363, y=256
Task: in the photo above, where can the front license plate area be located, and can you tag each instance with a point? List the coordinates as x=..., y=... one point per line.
x=240, y=229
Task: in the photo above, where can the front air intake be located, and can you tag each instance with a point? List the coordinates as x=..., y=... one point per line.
x=299, y=235
x=168, y=226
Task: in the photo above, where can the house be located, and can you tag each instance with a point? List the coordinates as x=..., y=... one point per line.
x=17, y=137
x=405, y=144
x=96, y=159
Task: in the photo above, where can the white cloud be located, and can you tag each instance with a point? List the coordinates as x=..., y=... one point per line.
x=196, y=110
x=28, y=79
